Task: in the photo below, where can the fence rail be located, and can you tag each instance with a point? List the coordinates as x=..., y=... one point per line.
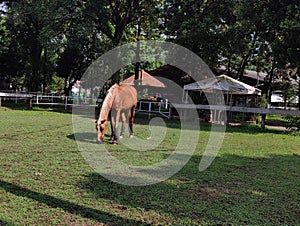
x=46, y=99
x=267, y=111
x=161, y=108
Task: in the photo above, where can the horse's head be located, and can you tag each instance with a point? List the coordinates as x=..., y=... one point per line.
x=101, y=127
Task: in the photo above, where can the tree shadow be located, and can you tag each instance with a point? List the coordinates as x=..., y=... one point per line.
x=84, y=137
x=248, y=128
x=252, y=128
x=234, y=189
x=67, y=206
x=5, y=223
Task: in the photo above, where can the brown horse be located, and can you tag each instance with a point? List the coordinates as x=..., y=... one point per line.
x=121, y=100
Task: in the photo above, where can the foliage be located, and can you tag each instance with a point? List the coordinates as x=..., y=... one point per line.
x=199, y=26
x=67, y=36
x=56, y=84
x=42, y=38
x=239, y=34
x=293, y=123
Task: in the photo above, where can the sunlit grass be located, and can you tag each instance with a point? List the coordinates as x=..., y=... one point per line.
x=45, y=180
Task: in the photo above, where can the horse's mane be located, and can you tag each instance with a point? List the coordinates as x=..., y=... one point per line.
x=107, y=103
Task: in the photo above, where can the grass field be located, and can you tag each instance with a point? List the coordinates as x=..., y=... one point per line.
x=255, y=179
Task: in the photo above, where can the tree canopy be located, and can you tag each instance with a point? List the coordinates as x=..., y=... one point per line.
x=44, y=41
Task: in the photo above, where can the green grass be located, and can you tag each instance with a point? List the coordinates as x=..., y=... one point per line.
x=45, y=180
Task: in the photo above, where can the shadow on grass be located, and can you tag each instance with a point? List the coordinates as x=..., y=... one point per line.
x=243, y=128
x=174, y=123
x=234, y=189
x=67, y=206
x=252, y=128
x=5, y=223
x=84, y=137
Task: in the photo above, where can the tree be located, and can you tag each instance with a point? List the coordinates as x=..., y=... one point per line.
x=45, y=33
x=26, y=21
x=116, y=20
x=284, y=39
x=199, y=26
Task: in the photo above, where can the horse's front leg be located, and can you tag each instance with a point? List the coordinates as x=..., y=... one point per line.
x=115, y=140
x=111, y=125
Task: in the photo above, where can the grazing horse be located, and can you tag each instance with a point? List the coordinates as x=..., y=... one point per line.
x=121, y=100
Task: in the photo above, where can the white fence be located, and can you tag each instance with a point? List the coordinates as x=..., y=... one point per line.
x=46, y=99
x=161, y=108
x=267, y=111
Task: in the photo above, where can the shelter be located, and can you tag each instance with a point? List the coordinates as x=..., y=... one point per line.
x=145, y=79
x=215, y=87
x=224, y=84
x=172, y=73
x=147, y=85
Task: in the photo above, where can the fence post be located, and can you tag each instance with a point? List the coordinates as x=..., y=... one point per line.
x=170, y=111
x=263, y=121
x=66, y=102
x=30, y=102
x=149, y=109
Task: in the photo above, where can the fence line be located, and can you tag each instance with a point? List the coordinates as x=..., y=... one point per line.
x=47, y=99
x=267, y=111
x=52, y=99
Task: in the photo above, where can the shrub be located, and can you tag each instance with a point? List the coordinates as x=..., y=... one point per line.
x=293, y=123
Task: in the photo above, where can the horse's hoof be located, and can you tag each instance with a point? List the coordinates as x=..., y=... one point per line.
x=115, y=142
x=131, y=136
x=121, y=137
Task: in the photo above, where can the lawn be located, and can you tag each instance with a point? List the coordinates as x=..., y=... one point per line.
x=45, y=180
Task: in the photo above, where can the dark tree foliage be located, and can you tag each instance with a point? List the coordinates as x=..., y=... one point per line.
x=41, y=39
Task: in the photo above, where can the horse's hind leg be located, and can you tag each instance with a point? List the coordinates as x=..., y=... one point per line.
x=131, y=120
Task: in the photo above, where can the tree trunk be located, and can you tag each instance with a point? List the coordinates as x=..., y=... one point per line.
x=65, y=86
x=35, y=58
x=242, y=67
x=299, y=95
x=246, y=57
x=137, y=54
x=44, y=71
x=271, y=75
x=229, y=66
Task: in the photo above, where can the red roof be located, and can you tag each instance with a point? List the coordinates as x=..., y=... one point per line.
x=146, y=80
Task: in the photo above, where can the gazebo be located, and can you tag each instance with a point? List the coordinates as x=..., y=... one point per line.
x=223, y=85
